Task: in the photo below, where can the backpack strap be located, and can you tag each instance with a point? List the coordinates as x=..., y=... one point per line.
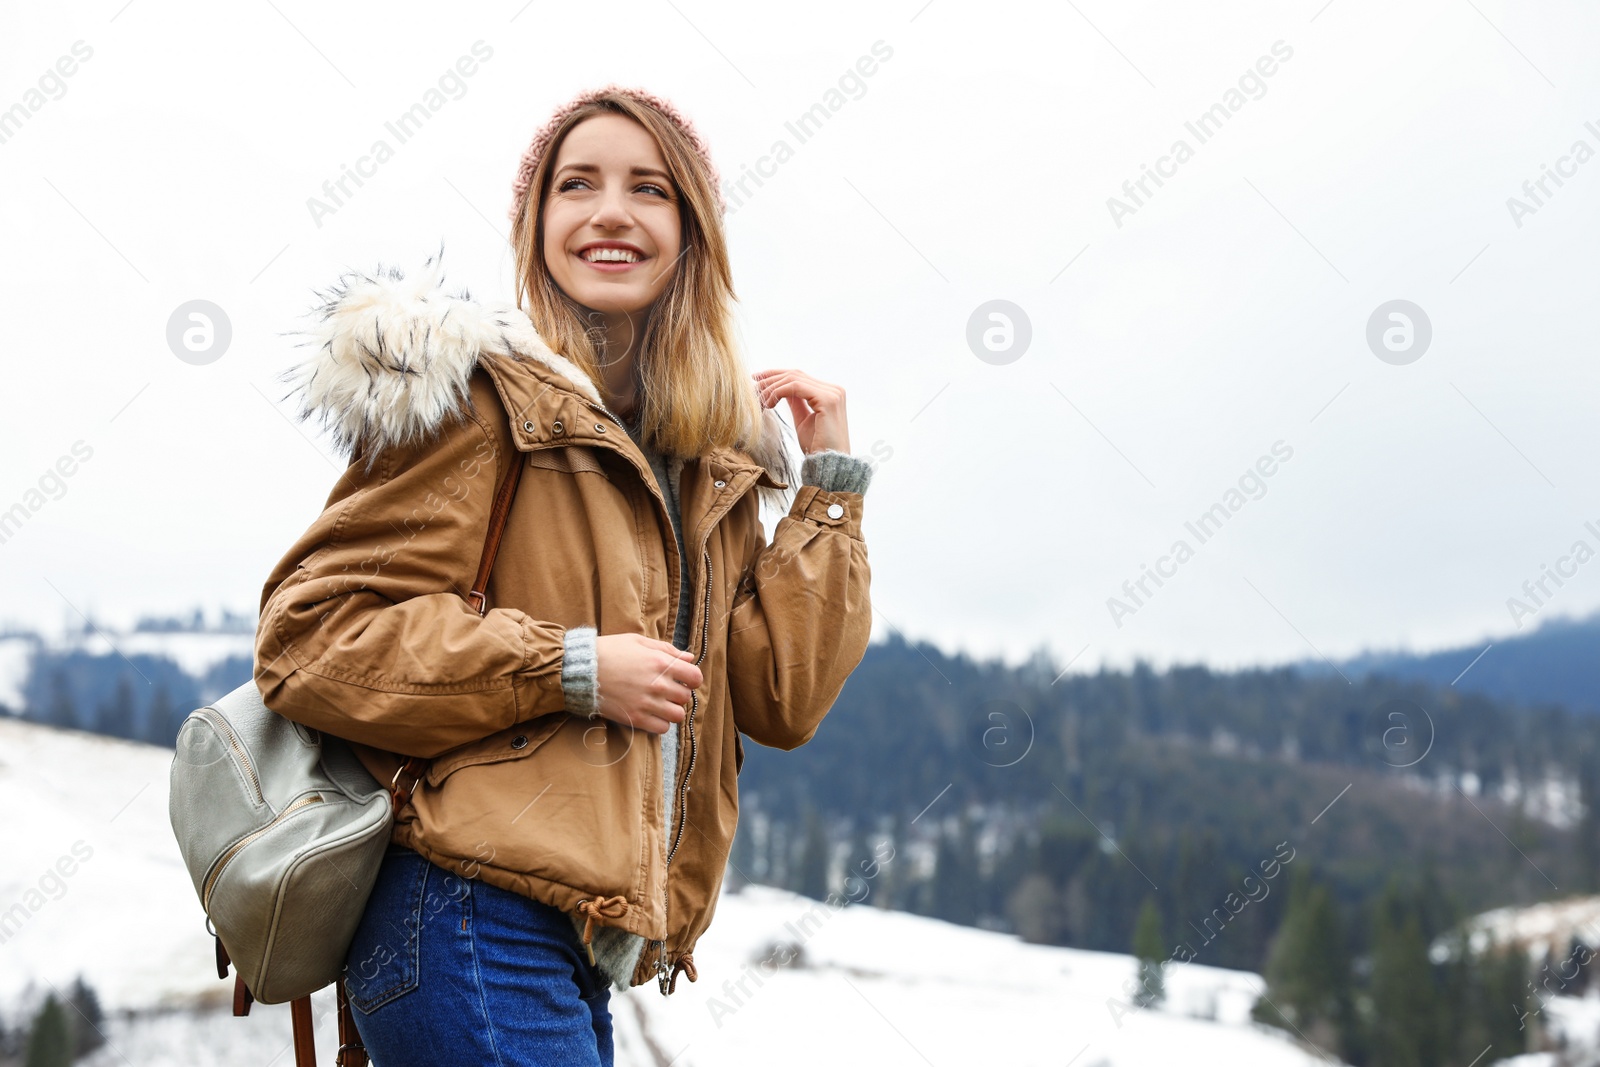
x=478, y=598
x=305, y=1041
x=352, y=1052
x=413, y=767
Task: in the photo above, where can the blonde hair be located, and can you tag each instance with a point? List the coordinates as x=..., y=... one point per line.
x=694, y=391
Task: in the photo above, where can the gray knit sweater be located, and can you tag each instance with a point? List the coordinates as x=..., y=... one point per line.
x=616, y=951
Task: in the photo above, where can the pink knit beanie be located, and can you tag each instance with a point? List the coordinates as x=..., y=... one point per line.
x=541, y=140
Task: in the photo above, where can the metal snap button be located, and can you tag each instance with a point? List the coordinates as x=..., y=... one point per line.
x=520, y=741
x=835, y=510
x=528, y=426
x=719, y=483
x=556, y=426
x=599, y=427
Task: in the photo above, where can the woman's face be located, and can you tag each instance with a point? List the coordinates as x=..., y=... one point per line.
x=611, y=225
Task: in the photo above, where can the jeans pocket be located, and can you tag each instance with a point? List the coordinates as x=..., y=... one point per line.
x=383, y=961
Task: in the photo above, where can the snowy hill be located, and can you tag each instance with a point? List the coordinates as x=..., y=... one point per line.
x=90, y=881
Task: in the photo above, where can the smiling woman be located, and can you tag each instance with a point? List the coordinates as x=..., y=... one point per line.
x=565, y=744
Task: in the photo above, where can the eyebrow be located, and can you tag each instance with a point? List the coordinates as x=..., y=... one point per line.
x=590, y=168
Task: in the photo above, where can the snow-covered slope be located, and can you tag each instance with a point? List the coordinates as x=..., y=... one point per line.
x=90, y=877
x=887, y=987
x=90, y=862
x=1542, y=929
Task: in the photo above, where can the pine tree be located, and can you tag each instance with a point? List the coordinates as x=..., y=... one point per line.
x=777, y=853
x=1588, y=828
x=1308, y=968
x=1148, y=947
x=1485, y=1002
x=862, y=871
x=62, y=708
x=159, y=725
x=87, y=1016
x=50, y=1043
x=955, y=877
x=813, y=865
x=1406, y=1024
x=113, y=715
x=1506, y=1003
x=895, y=875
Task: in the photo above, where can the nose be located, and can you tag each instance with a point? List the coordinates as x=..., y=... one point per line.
x=611, y=211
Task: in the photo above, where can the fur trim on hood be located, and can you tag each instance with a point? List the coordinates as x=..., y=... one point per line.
x=393, y=356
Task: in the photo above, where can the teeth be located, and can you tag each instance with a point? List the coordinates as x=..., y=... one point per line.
x=610, y=255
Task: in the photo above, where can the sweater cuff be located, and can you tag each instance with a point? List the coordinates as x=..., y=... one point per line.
x=580, y=671
x=837, y=472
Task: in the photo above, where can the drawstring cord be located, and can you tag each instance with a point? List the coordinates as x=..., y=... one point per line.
x=686, y=965
x=600, y=910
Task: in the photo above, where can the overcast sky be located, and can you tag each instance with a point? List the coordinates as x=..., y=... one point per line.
x=1358, y=153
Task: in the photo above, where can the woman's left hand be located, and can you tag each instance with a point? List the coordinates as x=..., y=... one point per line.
x=817, y=407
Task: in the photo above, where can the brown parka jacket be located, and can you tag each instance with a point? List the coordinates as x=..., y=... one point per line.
x=365, y=631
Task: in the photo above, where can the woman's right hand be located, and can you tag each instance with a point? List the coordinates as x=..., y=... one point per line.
x=644, y=683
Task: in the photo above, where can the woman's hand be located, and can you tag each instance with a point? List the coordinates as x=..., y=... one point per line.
x=817, y=407
x=644, y=683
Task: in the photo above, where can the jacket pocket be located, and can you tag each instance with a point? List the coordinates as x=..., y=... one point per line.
x=571, y=806
x=518, y=741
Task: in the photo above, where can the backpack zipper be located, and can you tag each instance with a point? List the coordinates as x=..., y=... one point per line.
x=233, y=850
x=662, y=967
x=222, y=726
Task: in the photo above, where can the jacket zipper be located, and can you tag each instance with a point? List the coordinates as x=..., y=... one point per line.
x=223, y=727
x=234, y=849
x=662, y=967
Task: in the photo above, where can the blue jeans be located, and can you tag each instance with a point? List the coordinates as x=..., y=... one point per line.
x=448, y=969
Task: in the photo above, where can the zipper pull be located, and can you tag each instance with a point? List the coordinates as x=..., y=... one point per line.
x=662, y=968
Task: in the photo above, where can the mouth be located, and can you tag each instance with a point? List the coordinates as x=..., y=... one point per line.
x=611, y=256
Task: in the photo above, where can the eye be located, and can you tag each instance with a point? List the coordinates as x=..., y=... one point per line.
x=563, y=186
x=651, y=185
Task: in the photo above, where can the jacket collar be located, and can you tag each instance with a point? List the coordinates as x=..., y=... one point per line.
x=393, y=356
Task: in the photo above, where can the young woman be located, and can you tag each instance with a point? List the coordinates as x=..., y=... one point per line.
x=569, y=829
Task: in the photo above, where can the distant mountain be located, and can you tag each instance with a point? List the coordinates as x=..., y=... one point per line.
x=1558, y=663
x=1050, y=805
